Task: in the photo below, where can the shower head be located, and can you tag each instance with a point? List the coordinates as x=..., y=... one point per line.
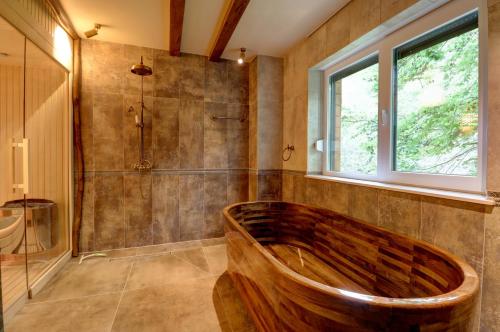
x=141, y=69
x=93, y=32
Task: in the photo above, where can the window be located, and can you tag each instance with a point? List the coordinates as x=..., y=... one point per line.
x=407, y=109
x=437, y=101
x=354, y=117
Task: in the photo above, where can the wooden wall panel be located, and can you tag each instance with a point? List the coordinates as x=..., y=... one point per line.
x=11, y=125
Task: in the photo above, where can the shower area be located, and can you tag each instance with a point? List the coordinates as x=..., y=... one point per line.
x=34, y=165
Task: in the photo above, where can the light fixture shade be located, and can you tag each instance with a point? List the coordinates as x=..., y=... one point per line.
x=242, y=56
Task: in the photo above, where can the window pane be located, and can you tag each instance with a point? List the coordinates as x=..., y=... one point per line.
x=354, y=119
x=437, y=105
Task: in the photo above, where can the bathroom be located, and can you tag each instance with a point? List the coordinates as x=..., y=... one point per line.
x=249, y=165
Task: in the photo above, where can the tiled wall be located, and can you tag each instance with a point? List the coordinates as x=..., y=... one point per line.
x=199, y=165
x=266, y=127
x=471, y=231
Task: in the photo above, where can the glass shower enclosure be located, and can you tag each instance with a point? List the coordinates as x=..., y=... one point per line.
x=34, y=164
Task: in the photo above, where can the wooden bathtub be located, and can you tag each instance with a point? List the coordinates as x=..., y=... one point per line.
x=300, y=268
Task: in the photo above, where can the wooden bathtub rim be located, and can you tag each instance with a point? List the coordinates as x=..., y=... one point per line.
x=466, y=290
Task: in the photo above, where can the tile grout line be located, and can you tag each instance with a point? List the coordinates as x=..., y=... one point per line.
x=121, y=297
x=69, y=298
x=172, y=253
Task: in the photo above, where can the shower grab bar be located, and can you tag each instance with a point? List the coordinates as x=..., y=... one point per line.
x=25, y=146
x=214, y=117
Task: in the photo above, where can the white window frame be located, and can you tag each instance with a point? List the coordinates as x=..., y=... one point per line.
x=384, y=48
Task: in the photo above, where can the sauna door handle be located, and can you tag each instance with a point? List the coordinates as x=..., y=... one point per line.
x=25, y=146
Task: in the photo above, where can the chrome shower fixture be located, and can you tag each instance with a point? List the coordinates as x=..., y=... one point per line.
x=93, y=32
x=142, y=70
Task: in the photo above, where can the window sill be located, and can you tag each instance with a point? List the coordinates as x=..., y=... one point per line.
x=440, y=193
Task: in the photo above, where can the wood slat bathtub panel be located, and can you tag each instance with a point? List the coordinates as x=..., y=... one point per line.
x=350, y=276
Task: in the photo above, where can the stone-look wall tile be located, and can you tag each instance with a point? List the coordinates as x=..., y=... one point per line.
x=215, y=199
x=252, y=81
x=400, y=212
x=269, y=186
x=298, y=160
x=237, y=83
x=191, y=123
x=216, y=81
x=337, y=31
x=215, y=140
x=300, y=69
x=237, y=136
x=167, y=74
x=363, y=204
x=87, y=65
x=87, y=229
x=490, y=315
x=493, y=176
x=455, y=226
x=337, y=197
x=317, y=46
x=365, y=16
x=165, y=203
x=390, y=8
x=269, y=79
x=86, y=127
x=237, y=187
x=252, y=186
x=132, y=82
x=287, y=187
x=131, y=135
x=138, y=214
x=316, y=193
x=108, y=67
x=299, y=189
x=192, y=84
x=253, y=136
x=109, y=225
x=270, y=124
x=166, y=133
x=108, y=132
x=174, y=139
x=191, y=207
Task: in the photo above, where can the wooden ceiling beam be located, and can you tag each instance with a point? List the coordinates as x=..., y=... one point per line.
x=176, y=20
x=232, y=16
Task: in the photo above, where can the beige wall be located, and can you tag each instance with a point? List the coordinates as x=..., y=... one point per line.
x=471, y=231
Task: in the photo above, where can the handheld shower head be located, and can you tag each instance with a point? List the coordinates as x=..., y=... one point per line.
x=93, y=32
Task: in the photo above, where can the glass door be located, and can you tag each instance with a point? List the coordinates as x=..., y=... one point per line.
x=46, y=129
x=13, y=159
x=34, y=163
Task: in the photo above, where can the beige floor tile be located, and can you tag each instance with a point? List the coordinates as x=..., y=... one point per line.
x=163, y=248
x=92, y=277
x=213, y=242
x=217, y=258
x=152, y=271
x=182, y=306
x=86, y=314
x=193, y=256
x=178, y=289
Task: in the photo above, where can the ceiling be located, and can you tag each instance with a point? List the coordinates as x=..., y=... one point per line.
x=268, y=27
